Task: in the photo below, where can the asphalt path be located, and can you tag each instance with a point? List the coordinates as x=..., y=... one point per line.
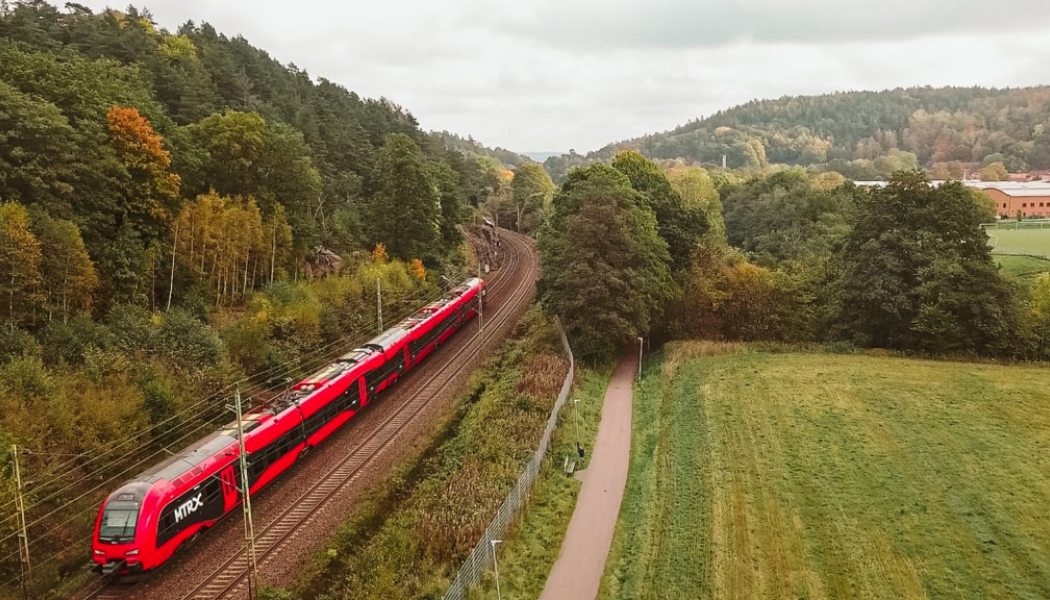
x=578, y=571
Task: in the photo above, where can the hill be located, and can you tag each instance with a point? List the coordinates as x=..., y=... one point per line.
x=862, y=134
x=471, y=147
x=760, y=475
x=178, y=211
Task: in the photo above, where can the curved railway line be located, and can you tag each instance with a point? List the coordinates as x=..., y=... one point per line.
x=509, y=292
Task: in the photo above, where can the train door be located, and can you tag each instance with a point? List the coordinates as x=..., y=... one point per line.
x=229, y=487
x=362, y=395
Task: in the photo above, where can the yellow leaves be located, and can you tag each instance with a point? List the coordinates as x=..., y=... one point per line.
x=177, y=46
x=418, y=269
x=379, y=255
x=223, y=239
x=1041, y=297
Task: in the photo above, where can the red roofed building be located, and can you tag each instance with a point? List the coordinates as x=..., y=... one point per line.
x=1030, y=202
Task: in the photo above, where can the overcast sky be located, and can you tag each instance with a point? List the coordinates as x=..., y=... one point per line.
x=550, y=75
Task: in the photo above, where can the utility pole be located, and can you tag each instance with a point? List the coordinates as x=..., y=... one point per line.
x=249, y=529
x=379, y=302
x=23, y=536
x=481, y=304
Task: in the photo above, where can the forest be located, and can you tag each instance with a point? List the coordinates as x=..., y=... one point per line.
x=180, y=213
x=949, y=132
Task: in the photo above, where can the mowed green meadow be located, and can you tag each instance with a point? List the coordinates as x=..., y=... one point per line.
x=762, y=475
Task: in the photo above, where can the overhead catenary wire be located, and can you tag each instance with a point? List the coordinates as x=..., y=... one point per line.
x=359, y=331
x=316, y=355
x=137, y=464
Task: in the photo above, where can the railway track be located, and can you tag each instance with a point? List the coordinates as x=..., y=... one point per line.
x=509, y=290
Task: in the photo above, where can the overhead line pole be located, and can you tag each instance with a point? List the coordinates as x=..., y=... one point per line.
x=23, y=537
x=249, y=529
x=379, y=302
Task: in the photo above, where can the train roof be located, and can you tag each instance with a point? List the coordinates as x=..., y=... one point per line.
x=388, y=338
x=188, y=458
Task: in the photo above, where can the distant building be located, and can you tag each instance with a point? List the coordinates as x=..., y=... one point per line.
x=1030, y=198
x=1033, y=202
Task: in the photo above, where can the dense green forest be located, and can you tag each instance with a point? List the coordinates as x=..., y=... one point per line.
x=862, y=135
x=179, y=212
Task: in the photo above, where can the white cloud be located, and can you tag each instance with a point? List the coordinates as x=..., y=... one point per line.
x=554, y=75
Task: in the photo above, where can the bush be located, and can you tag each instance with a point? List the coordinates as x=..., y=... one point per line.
x=67, y=343
x=15, y=342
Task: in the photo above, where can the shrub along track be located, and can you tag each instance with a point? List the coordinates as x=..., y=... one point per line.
x=302, y=509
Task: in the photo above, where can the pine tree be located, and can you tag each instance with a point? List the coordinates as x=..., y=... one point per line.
x=404, y=213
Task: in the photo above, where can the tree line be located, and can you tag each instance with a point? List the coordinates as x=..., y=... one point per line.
x=790, y=256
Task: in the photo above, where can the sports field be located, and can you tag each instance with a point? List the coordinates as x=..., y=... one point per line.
x=825, y=476
x=1025, y=268
x=1024, y=241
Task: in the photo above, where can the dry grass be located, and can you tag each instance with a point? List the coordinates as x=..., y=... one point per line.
x=542, y=376
x=677, y=353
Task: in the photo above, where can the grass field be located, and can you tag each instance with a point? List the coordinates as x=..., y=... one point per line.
x=1026, y=241
x=824, y=476
x=1022, y=267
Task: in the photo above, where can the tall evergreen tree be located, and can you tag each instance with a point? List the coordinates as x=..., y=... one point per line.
x=404, y=213
x=604, y=268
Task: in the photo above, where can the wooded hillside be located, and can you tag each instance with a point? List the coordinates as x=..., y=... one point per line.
x=864, y=135
x=168, y=201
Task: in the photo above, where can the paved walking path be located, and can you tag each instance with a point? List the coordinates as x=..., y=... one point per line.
x=578, y=571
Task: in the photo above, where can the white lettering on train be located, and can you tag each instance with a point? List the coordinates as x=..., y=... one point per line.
x=189, y=507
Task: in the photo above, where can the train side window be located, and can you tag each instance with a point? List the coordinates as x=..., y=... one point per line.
x=213, y=490
x=167, y=522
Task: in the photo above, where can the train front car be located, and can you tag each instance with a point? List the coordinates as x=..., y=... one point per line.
x=120, y=529
x=145, y=521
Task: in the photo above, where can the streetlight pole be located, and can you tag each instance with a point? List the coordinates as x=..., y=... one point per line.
x=640, y=346
x=576, y=413
x=495, y=563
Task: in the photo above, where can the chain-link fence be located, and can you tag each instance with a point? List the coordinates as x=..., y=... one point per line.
x=481, y=556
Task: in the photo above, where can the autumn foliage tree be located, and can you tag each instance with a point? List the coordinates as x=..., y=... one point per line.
x=20, y=257
x=221, y=241
x=69, y=279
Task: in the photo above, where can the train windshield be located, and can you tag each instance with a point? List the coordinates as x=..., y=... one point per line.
x=118, y=524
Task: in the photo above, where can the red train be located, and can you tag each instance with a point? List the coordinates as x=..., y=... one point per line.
x=144, y=522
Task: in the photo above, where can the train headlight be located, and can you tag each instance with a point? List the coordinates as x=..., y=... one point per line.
x=100, y=552
x=132, y=553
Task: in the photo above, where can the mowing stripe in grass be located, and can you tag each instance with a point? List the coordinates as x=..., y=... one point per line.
x=821, y=476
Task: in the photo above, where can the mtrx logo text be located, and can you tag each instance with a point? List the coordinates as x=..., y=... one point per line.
x=189, y=507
